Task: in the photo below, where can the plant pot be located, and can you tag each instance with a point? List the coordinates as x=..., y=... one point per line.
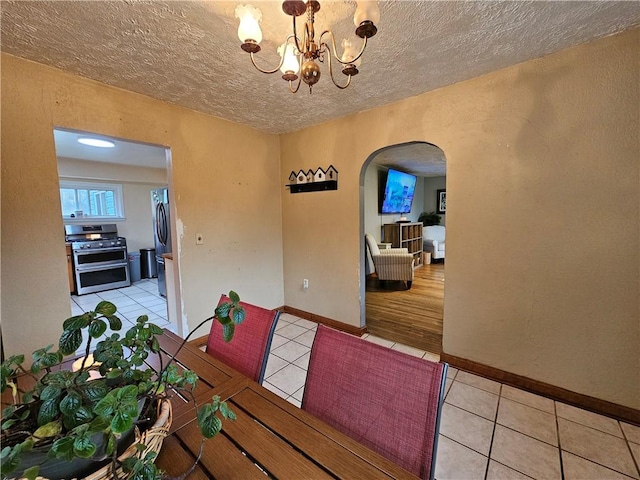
x=99, y=466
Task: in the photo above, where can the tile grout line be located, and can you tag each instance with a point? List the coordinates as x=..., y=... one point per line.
x=493, y=434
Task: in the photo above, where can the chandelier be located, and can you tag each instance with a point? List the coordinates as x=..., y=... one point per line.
x=299, y=55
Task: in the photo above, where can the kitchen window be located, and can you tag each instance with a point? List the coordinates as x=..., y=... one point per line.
x=99, y=201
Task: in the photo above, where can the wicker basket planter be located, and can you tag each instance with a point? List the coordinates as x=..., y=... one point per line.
x=152, y=438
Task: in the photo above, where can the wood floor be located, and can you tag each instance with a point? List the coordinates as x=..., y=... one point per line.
x=412, y=317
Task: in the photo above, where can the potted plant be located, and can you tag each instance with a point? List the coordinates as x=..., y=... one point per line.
x=429, y=218
x=81, y=413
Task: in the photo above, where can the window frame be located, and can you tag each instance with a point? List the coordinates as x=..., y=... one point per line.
x=83, y=185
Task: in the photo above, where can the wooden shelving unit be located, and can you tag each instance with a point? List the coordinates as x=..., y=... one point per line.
x=405, y=235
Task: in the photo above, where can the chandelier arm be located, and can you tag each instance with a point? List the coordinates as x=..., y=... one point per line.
x=275, y=69
x=263, y=70
x=291, y=89
x=329, y=33
x=341, y=87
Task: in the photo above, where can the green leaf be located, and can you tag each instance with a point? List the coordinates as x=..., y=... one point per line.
x=106, y=406
x=111, y=445
x=234, y=297
x=70, y=341
x=95, y=390
x=70, y=403
x=226, y=411
x=128, y=394
x=115, y=373
x=63, y=448
x=121, y=422
x=114, y=322
x=83, y=446
x=223, y=309
x=98, y=424
x=227, y=331
x=208, y=422
x=155, y=329
x=142, y=319
x=50, y=429
x=238, y=315
x=31, y=473
x=97, y=328
x=77, y=322
x=48, y=411
x=83, y=415
x=49, y=392
x=144, y=334
x=106, y=308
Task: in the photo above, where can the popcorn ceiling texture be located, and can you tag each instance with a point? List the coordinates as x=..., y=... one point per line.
x=188, y=53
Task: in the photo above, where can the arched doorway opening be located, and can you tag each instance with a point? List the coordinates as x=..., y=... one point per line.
x=412, y=316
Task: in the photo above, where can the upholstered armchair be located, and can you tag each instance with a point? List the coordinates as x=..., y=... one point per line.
x=433, y=241
x=391, y=263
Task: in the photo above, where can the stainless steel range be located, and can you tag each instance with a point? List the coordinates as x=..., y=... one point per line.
x=99, y=257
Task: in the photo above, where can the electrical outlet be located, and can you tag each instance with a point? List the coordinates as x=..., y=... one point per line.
x=305, y=283
x=199, y=239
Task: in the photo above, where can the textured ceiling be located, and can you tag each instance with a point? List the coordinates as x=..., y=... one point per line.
x=188, y=53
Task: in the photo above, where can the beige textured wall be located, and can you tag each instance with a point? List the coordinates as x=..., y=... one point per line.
x=225, y=180
x=542, y=217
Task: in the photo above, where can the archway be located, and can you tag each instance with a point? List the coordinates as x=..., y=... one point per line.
x=412, y=317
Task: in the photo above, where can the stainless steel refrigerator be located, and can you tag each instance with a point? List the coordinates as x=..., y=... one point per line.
x=162, y=233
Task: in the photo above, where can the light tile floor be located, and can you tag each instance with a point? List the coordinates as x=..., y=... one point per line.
x=141, y=298
x=488, y=430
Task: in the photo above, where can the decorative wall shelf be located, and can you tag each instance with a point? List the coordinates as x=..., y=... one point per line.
x=313, y=186
x=314, y=181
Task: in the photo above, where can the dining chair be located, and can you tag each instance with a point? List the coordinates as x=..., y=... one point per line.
x=249, y=349
x=385, y=399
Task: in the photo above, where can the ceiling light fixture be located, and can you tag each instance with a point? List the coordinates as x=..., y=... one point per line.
x=296, y=51
x=96, y=142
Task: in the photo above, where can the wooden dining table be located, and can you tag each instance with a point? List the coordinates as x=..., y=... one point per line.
x=270, y=436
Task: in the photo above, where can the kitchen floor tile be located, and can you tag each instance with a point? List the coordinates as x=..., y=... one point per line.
x=578, y=468
x=455, y=462
x=416, y=352
x=380, y=341
x=525, y=454
x=274, y=364
x=478, y=382
x=288, y=379
x=291, y=331
x=305, y=323
x=589, y=419
x=526, y=398
x=466, y=428
x=497, y=471
x=528, y=420
x=307, y=338
x=597, y=446
x=473, y=399
x=632, y=432
x=277, y=341
x=290, y=351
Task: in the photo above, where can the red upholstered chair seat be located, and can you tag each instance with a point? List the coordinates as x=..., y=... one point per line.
x=249, y=349
x=383, y=398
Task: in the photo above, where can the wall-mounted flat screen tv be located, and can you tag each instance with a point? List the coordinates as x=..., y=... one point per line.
x=397, y=195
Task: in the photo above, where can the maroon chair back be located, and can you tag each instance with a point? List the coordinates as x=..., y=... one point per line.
x=249, y=349
x=383, y=398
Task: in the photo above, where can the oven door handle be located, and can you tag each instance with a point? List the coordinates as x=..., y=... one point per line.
x=96, y=268
x=100, y=250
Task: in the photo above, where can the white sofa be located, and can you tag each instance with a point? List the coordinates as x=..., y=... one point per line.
x=433, y=241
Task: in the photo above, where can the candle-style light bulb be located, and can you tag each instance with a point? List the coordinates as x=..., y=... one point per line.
x=290, y=63
x=367, y=10
x=249, y=28
x=349, y=52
